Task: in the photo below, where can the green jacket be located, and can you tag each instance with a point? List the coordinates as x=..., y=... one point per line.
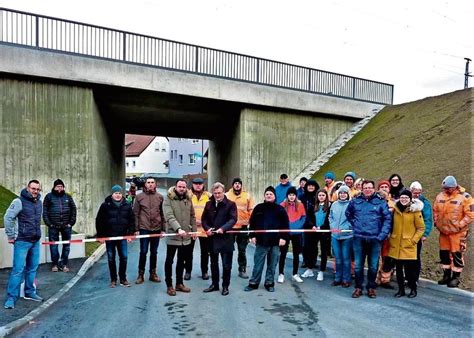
x=179, y=214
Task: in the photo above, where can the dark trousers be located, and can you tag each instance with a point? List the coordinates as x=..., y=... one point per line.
x=296, y=244
x=121, y=248
x=204, y=244
x=419, y=246
x=311, y=249
x=53, y=234
x=406, y=269
x=152, y=243
x=226, y=267
x=184, y=255
x=269, y=254
x=242, y=241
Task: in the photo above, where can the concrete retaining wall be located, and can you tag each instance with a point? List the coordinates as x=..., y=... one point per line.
x=48, y=131
x=6, y=249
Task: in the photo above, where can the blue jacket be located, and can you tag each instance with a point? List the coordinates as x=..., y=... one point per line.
x=280, y=191
x=23, y=218
x=59, y=210
x=338, y=220
x=370, y=218
x=427, y=213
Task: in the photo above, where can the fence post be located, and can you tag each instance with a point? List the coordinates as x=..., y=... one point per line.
x=258, y=70
x=353, y=87
x=196, y=65
x=309, y=79
x=124, y=47
x=37, y=31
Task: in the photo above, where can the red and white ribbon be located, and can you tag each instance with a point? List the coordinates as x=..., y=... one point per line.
x=196, y=233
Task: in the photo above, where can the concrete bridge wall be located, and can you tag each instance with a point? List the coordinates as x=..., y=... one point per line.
x=66, y=116
x=50, y=131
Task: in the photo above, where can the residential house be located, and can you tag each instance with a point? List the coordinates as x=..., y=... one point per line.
x=187, y=156
x=146, y=154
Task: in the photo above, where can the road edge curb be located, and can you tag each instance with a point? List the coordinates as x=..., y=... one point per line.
x=427, y=283
x=17, y=324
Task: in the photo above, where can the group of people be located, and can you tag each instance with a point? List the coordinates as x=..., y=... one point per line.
x=354, y=219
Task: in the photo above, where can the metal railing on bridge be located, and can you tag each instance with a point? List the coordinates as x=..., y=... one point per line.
x=53, y=34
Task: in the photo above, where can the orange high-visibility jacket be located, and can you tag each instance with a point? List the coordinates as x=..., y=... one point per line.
x=245, y=204
x=453, y=214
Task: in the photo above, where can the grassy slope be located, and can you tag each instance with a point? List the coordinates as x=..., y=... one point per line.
x=423, y=140
x=6, y=196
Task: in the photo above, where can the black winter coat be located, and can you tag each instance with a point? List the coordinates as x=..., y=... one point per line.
x=269, y=216
x=309, y=200
x=59, y=210
x=115, y=220
x=223, y=216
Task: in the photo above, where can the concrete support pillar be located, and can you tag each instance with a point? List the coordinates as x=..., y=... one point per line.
x=51, y=131
x=269, y=143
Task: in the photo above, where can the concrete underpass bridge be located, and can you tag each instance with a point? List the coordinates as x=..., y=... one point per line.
x=70, y=92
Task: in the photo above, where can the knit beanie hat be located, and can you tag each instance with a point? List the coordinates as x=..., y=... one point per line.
x=58, y=182
x=117, y=188
x=343, y=188
x=449, y=182
x=351, y=174
x=406, y=193
x=330, y=175
x=382, y=183
x=237, y=179
x=313, y=183
x=291, y=190
x=271, y=189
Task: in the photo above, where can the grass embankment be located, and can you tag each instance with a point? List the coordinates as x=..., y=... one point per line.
x=6, y=197
x=425, y=140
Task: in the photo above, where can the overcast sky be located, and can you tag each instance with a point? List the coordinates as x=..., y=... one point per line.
x=417, y=45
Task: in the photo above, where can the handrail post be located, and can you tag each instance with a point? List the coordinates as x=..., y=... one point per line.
x=258, y=70
x=309, y=79
x=196, y=65
x=124, y=47
x=353, y=87
x=37, y=31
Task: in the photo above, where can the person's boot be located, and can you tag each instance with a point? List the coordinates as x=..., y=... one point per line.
x=140, y=278
x=454, y=282
x=446, y=277
x=401, y=292
x=154, y=277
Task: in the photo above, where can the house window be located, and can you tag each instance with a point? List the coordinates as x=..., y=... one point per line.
x=134, y=163
x=163, y=146
x=157, y=146
x=180, y=159
x=126, y=163
x=181, y=140
x=195, y=141
x=171, y=154
x=192, y=159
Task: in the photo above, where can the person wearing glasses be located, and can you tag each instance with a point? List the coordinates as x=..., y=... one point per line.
x=22, y=226
x=371, y=222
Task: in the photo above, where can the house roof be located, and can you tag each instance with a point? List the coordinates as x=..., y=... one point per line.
x=136, y=144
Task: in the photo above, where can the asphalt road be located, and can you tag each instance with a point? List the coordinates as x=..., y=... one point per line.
x=312, y=308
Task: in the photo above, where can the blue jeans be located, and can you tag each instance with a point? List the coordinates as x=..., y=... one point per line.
x=369, y=248
x=151, y=242
x=121, y=246
x=342, y=249
x=26, y=257
x=53, y=234
x=271, y=253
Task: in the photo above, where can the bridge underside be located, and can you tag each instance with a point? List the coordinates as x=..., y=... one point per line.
x=76, y=132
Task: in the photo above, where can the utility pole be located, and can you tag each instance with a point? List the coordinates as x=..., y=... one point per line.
x=466, y=74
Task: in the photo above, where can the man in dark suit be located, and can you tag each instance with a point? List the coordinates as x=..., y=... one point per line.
x=219, y=216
